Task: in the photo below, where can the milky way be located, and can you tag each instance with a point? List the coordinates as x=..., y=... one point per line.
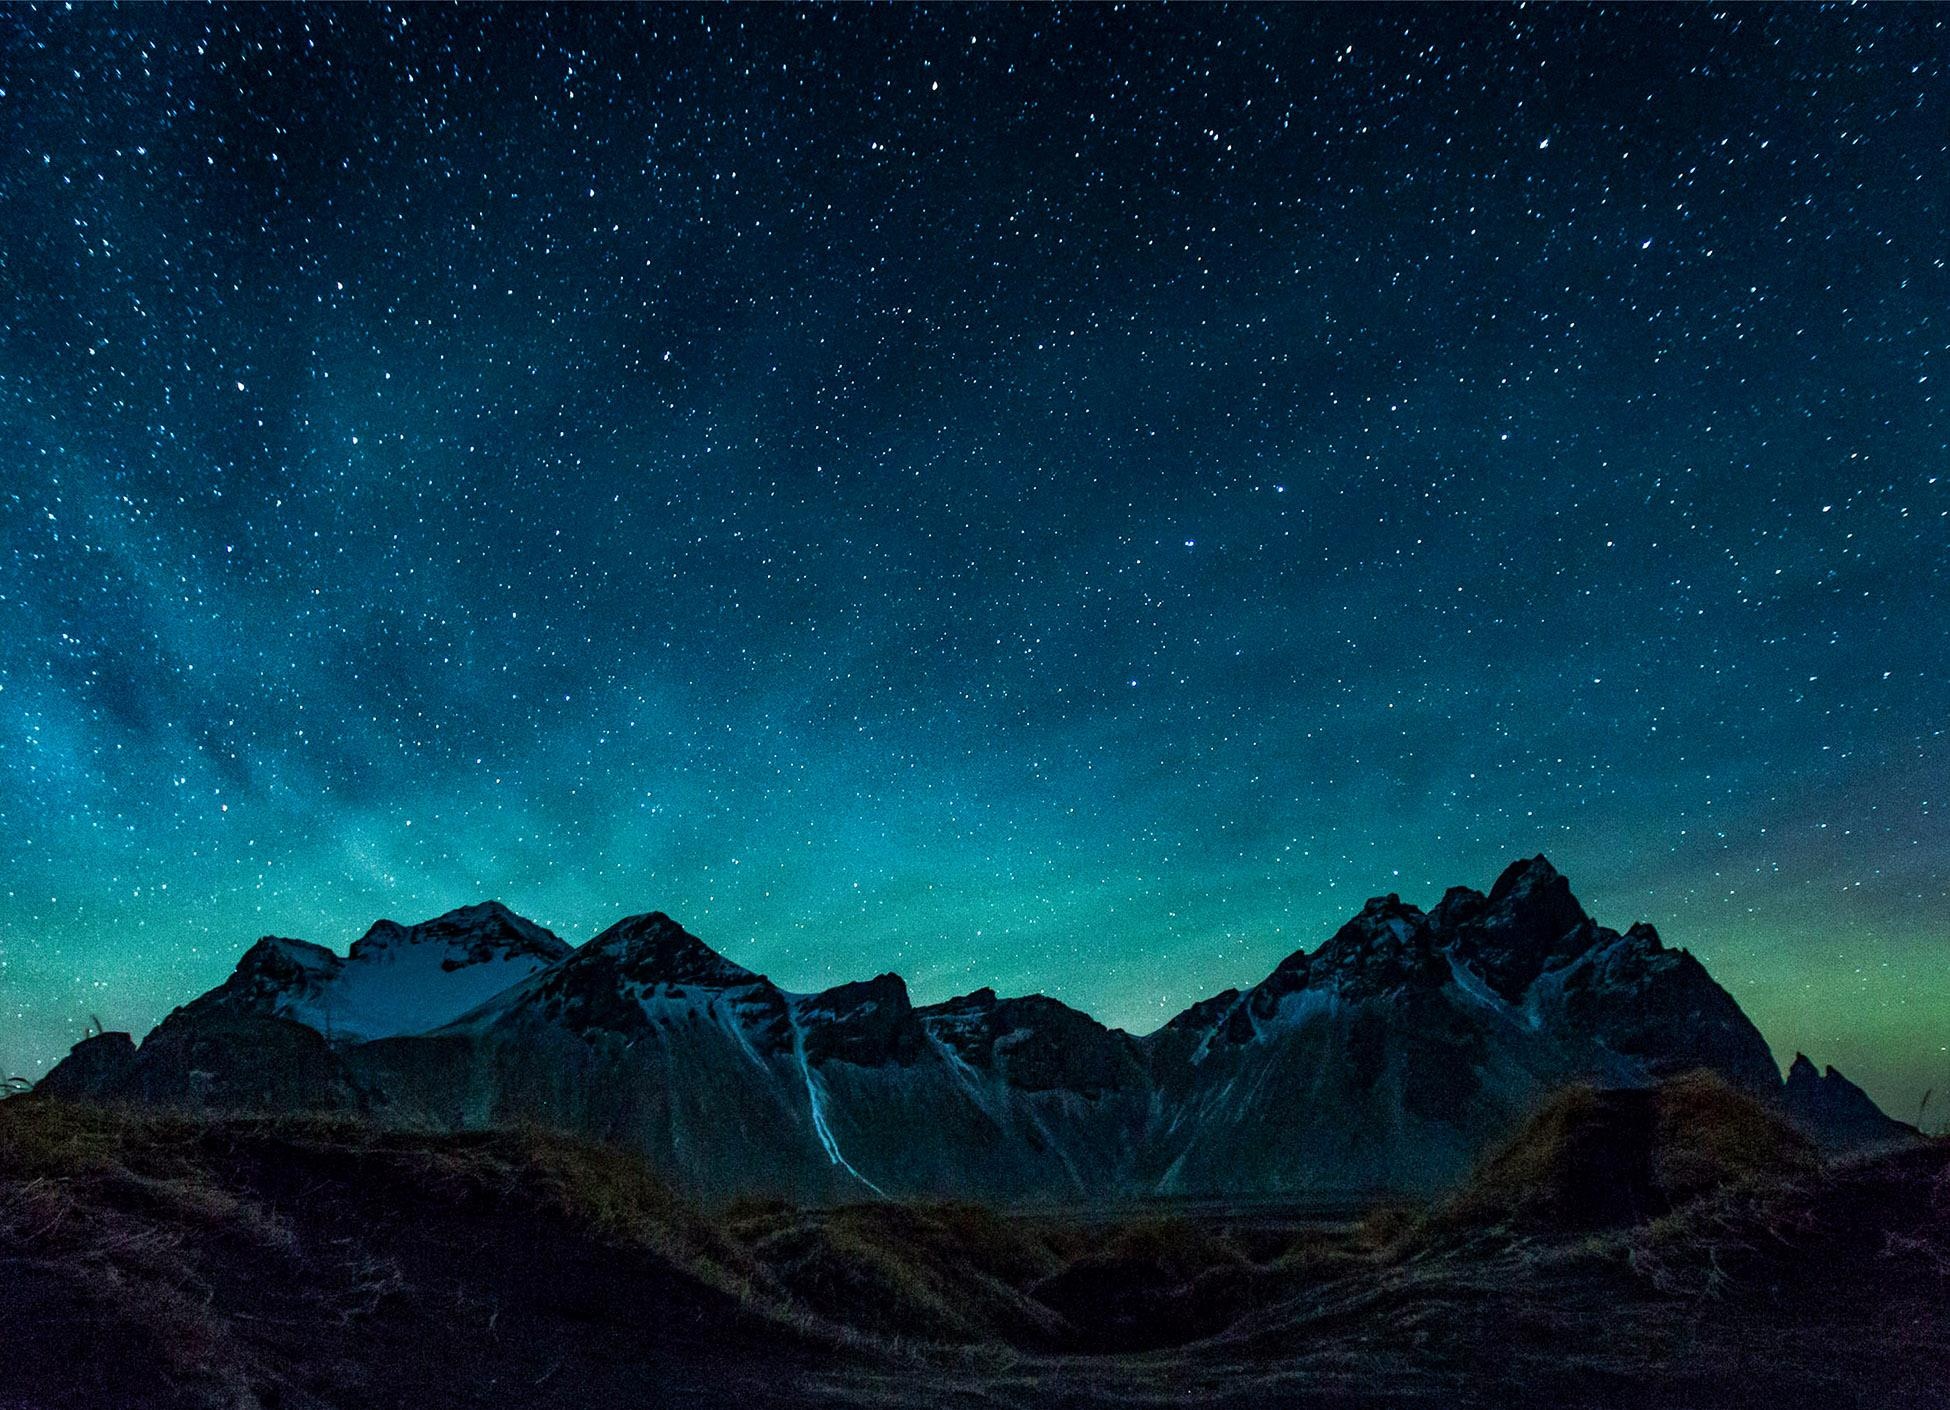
x=1067, y=499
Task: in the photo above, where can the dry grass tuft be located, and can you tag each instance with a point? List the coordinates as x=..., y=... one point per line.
x=111, y=1208
x=1590, y=1160
x=953, y=1273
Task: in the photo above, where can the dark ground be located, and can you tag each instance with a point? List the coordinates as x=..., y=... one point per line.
x=170, y=1261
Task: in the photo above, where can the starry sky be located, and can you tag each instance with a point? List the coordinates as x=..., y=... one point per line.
x=1072, y=499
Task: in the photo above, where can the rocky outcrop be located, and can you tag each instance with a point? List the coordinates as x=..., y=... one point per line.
x=1036, y=1044
x=99, y=1066
x=1838, y=1114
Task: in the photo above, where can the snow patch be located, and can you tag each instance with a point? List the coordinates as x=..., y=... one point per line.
x=396, y=990
x=1300, y=1008
x=1470, y=985
x=816, y=1102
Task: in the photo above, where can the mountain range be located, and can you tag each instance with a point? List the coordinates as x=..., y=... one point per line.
x=1387, y=1059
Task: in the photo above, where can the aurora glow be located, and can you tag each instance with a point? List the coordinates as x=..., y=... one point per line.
x=1067, y=499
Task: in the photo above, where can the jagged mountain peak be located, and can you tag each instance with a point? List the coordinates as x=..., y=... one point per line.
x=1804, y=1074
x=1836, y=1112
x=381, y=935
x=1381, y=920
x=643, y=967
x=276, y=972
x=483, y=931
x=1528, y=923
x=653, y=949
x=1526, y=873
x=396, y=979
x=283, y=958
x=1383, y=947
x=485, y=915
x=1533, y=897
x=883, y=990
x=489, y=909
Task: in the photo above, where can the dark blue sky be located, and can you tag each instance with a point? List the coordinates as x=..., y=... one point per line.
x=1071, y=499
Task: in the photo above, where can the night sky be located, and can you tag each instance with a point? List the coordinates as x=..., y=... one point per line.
x=1067, y=499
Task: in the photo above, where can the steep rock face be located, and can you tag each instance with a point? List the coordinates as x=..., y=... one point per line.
x=1373, y=1062
x=274, y=974
x=867, y=1024
x=1661, y=1009
x=1036, y=1044
x=1529, y=921
x=634, y=974
x=1388, y=1058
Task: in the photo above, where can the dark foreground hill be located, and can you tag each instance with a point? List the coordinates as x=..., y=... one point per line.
x=1670, y=1247
x=1388, y=1058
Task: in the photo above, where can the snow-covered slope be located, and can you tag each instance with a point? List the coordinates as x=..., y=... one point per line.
x=396, y=979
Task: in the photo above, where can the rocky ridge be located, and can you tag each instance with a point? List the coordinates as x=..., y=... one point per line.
x=1389, y=1058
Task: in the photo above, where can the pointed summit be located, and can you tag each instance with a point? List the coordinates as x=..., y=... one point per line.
x=632, y=976
x=1528, y=922
x=653, y=949
x=1533, y=900
x=285, y=963
x=1383, y=948
x=1382, y=920
x=492, y=916
x=274, y=975
x=1524, y=872
x=472, y=934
